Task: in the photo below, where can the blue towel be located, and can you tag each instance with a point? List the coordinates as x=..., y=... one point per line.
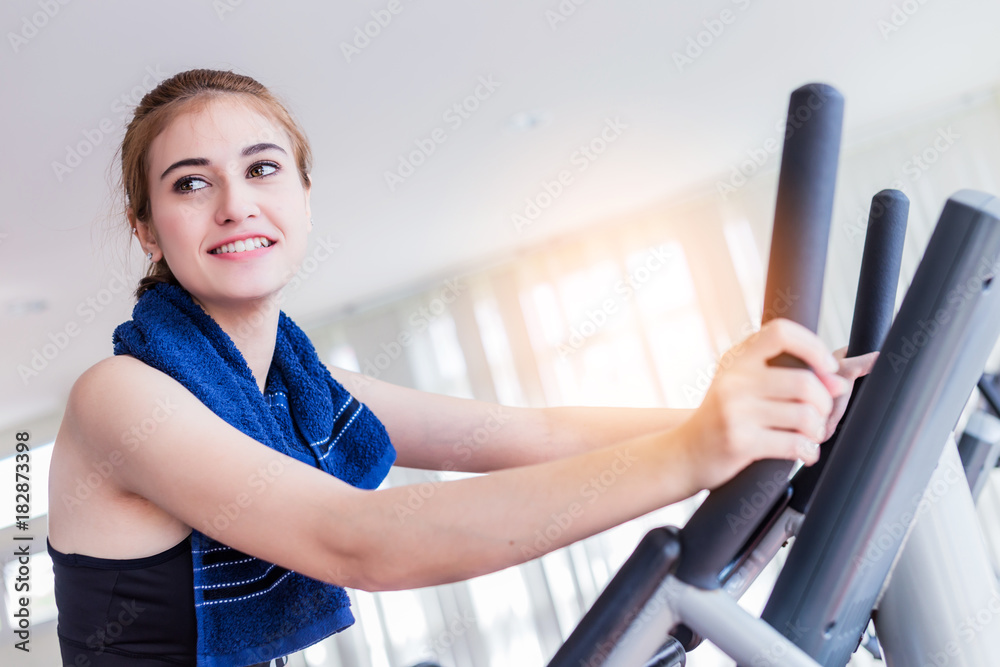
x=249, y=610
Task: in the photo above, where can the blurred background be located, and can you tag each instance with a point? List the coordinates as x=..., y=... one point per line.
x=560, y=202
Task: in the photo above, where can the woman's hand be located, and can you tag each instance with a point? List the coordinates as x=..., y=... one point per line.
x=754, y=411
x=850, y=369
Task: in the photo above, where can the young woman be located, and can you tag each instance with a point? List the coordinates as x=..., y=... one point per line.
x=237, y=472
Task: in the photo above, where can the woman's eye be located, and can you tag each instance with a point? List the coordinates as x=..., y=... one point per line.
x=189, y=184
x=262, y=169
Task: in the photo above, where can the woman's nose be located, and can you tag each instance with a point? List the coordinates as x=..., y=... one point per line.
x=236, y=202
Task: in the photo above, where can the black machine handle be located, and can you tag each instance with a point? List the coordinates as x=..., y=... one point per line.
x=876, y=297
x=622, y=601
x=729, y=515
x=874, y=305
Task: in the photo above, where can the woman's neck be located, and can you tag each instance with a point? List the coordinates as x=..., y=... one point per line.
x=253, y=328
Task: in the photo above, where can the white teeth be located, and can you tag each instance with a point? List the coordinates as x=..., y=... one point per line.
x=242, y=245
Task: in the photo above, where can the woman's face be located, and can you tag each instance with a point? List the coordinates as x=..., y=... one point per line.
x=223, y=178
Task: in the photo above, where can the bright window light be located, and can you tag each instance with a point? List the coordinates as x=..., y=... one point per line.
x=746, y=262
x=498, y=353
x=343, y=356
x=41, y=456
x=371, y=625
x=42, y=593
x=504, y=615
x=315, y=655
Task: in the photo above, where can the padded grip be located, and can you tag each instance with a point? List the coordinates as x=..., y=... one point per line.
x=730, y=514
x=876, y=297
x=804, y=206
x=873, y=311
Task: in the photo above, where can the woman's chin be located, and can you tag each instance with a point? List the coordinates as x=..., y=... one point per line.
x=246, y=295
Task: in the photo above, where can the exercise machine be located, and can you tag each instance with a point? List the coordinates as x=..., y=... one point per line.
x=883, y=527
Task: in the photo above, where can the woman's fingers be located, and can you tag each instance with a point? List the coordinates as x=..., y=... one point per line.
x=795, y=384
x=850, y=369
x=794, y=405
x=855, y=367
x=756, y=411
x=784, y=336
x=836, y=385
x=801, y=418
x=776, y=444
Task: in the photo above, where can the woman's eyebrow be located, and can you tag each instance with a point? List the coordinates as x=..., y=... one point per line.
x=205, y=162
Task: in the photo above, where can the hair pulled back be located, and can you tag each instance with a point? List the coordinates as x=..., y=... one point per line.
x=186, y=92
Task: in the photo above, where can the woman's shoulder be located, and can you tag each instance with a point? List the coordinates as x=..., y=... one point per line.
x=102, y=387
x=115, y=364
x=106, y=374
x=98, y=515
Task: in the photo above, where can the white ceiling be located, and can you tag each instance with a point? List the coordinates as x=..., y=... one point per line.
x=608, y=59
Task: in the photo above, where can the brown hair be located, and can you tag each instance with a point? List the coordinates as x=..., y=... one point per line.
x=190, y=91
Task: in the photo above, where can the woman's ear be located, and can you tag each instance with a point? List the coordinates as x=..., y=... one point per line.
x=144, y=232
x=308, y=191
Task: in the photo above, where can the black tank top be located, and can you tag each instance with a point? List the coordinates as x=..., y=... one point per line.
x=134, y=611
x=131, y=612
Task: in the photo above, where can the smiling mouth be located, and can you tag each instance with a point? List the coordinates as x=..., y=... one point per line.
x=242, y=246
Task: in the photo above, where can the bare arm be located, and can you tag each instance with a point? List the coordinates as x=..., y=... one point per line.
x=193, y=464
x=437, y=432
x=200, y=469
